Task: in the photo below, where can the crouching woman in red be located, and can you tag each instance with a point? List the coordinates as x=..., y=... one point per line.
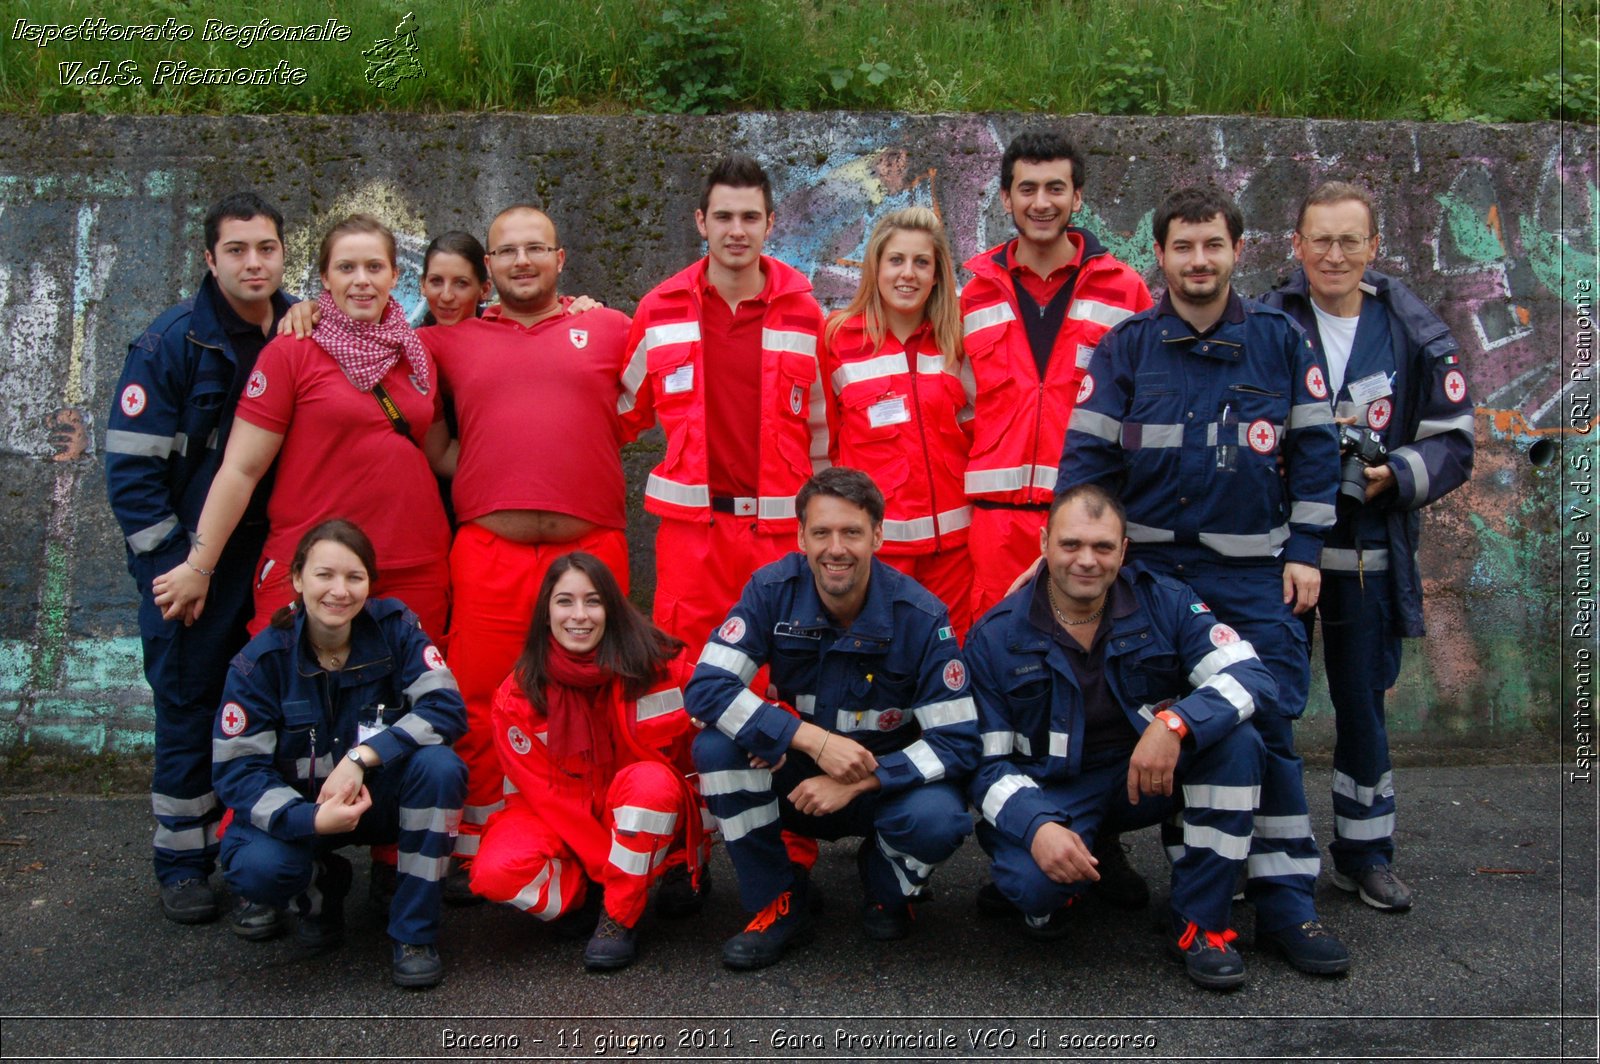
x=594, y=742
x=335, y=729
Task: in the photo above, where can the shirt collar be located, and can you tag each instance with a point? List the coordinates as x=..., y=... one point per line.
x=1232, y=314
x=1018, y=269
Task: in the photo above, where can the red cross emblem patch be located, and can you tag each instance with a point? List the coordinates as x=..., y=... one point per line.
x=1315, y=384
x=1261, y=436
x=257, y=385
x=519, y=742
x=1085, y=389
x=133, y=400
x=234, y=720
x=797, y=398
x=1378, y=414
x=955, y=674
x=890, y=719
x=732, y=630
x=1222, y=635
x=432, y=658
x=1455, y=386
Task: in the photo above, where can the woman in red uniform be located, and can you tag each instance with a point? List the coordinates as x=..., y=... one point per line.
x=592, y=734
x=345, y=414
x=900, y=401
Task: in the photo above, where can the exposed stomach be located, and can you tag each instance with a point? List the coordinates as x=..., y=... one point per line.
x=535, y=526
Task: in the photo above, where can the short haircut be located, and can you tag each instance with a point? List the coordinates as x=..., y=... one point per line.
x=841, y=482
x=457, y=242
x=1338, y=192
x=517, y=208
x=1040, y=145
x=1196, y=204
x=355, y=223
x=737, y=171
x=241, y=206
x=1095, y=501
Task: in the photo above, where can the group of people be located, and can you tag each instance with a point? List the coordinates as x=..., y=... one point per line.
x=1059, y=551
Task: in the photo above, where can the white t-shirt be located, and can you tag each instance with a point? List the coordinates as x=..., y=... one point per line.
x=1338, y=340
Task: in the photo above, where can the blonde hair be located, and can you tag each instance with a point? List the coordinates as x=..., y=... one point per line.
x=943, y=310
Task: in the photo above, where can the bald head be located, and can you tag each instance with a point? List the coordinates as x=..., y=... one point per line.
x=518, y=210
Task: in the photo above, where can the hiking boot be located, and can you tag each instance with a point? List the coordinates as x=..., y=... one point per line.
x=1119, y=885
x=381, y=881
x=189, y=901
x=887, y=922
x=458, y=883
x=416, y=965
x=254, y=921
x=1309, y=947
x=326, y=929
x=1378, y=886
x=1208, y=956
x=785, y=922
x=613, y=946
x=677, y=896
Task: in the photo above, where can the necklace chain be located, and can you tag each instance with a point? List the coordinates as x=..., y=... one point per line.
x=1095, y=616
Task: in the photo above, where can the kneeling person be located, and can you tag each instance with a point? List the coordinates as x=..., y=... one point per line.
x=1110, y=698
x=883, y=732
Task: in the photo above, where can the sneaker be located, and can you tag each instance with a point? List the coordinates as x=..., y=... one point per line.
x=381, y=881
x=1378, y=886
x=1309, y=947
x=1119, y=885
x=613, y=946
x=677, y=896
x=326, y=929
x=254, y=921
x=887, y=922
x=416, y=966
x=189, y=901
x=783, y=923
x=458, y=883
x=1208, y=956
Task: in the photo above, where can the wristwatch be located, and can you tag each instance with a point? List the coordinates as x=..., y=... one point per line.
x=355, y=755
x=1173, y=722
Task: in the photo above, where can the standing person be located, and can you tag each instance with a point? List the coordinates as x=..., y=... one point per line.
x=335, y=729
x=900, y=402
x=164, y=441
x=1185, y=414
x=455, y=278
x=345, y=414
x=591, y=732
x=522, y=367
x=1395, y=375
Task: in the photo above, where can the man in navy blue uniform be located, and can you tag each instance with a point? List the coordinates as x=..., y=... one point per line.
x=1395, y=374
x=1185, y=413
x=882, y=733
x=1110, y=698
x=164, y=439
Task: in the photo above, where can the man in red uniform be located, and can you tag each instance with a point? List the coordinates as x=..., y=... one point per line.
x=524, y=494
x=1031, y=316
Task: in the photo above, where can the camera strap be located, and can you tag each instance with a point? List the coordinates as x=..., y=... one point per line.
x=391, y=410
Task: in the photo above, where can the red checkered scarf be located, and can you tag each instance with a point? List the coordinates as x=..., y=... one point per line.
x=367, y=350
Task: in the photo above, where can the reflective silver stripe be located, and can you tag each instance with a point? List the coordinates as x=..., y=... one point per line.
x=186, y=841
x=1151, y=437
x=1309, y=415
x=1044, y=476
x=260, y=744
x=1099, y=313
x=739, y=711
x=868, y=369
x=805, y=705
x=1060, y=742
x=926, y=761
x=1379, y=827
x=432, y=680
x=1233, y=847
x=951, y=711
x=728, y=659
x=980, y=481
x=659, y=487
x=969, y=385
x=1312, y=513
x=998, y=743
x=1234, y=692
x=1097, y=425
x=303, y=767
x=775, y=507
x=1239, y=545
x=421, y=732
x=659, y=703
x=180, y=442
x=901, y=863
x=480, y=814
x=1419, y=470
x=799, y=343
x=1175, y=854
x=148, y=539
x=1347, y=786
x=932, y=365
x=467, y=844
x=1149, y=534
x=139, y=444
x=907, y=531
x=1346, y=408
x=632, y=861
x=1024, y=745
x=431, y=869
x=638, y=818
x=984, y=317
x=678, y=332
x=995, y=799
x=271, y=800
x=1297, y=826
x=1265, y=865
x=1425, y=428
x=1219, y=796
x=737, y=827
x=507, y=787
x=434, y=819
x=1147, y=711
x=954, y=520
x=1219, y=659
x=166, y=805
x=735, y=781
x=528, y=897
x=817, y=422
x=1343, y=560
x=848, y=720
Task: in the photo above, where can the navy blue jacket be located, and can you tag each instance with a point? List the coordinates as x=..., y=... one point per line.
x=285, y=722
x=1429, y=429
x=894, y=681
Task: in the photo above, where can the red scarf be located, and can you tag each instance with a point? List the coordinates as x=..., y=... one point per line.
x=367, y=350
x=575, y=705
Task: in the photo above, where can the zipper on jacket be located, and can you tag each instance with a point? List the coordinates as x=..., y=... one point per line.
x=927, y=460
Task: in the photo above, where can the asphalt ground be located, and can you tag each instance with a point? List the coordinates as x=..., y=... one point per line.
x=1496, y=962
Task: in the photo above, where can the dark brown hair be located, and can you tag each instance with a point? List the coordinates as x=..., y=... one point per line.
x=356, y=223
x=347, y=534
x=456, y=242
x=736, y=171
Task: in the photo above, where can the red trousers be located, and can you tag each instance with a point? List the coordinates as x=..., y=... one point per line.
x=425, y=588
x=948, y=574
x=701, y=570
x=1003, y=543
x=495, y=582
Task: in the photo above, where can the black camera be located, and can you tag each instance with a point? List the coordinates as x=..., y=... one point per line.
x=1359, y=449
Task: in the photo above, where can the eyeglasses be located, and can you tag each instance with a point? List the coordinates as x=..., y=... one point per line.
x=1349, y=243
x=510, y=252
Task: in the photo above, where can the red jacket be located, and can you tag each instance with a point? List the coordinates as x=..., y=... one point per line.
x=664, y=379
x=1021, y=421
x=906, y=422
x=653, y=727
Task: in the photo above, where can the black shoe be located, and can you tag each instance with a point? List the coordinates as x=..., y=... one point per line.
x=783, y=923
x=1119, y=885
x=381, y=881
x=1208, y=956
x=416, y=966
x=458, y=883
x=1378, y=886
x=887, y=922
x=613, y=946
x=803, y=885
x=580, y=922
x=326, y=929
x=1309, y=947
x=677, y=896
x=1052, y=927
x=254, y=921
x=189, y=901
x=993, y=903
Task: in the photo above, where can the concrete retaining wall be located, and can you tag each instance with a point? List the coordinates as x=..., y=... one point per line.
x=100, y=230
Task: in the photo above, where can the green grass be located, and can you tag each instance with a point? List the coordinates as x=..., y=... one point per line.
x=1493, y=60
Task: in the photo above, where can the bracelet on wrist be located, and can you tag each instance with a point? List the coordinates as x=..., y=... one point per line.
x=196, y=568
